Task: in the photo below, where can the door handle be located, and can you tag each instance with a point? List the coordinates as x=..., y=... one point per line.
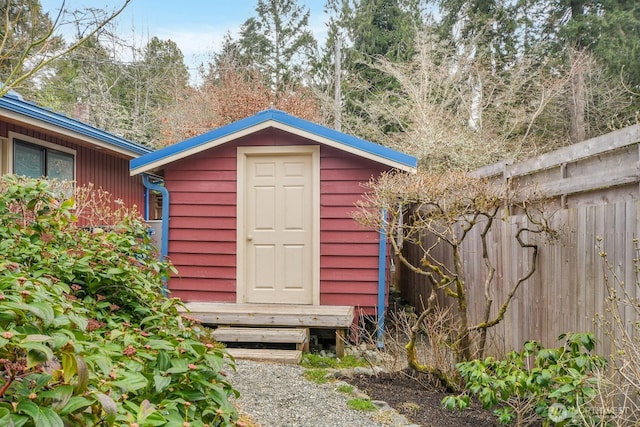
x=249, y=238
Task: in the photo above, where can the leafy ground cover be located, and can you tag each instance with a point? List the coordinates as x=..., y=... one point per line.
x=535, y=386
x=556, y=385
x=86, y=336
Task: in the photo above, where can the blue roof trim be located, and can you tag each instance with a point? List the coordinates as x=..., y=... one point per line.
x=16, y=104
x=283, y=118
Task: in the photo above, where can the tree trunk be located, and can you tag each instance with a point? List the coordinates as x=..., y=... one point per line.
x=577, y=103
x=412, y=355
x=463, y=342
x=475, y=110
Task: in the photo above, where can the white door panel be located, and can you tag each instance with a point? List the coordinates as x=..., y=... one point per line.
x=278, y=213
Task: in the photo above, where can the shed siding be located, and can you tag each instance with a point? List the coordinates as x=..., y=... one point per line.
x=348, y=252
x=202, y=237
x=103, y=170
x=202, y=224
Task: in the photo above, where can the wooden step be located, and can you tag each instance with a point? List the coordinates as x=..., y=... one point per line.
x=339, y=318
x=262, y=335
x=310, y=316
x=265, y=354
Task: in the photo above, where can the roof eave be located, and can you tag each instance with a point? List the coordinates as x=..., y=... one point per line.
x=32, y=115
x=347, y=148
x=187, y=148
x=157, y=164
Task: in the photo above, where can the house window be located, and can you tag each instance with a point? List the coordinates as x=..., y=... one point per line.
x=37, y=161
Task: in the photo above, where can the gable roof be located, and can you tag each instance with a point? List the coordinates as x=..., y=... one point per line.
x=14, y=107
x=279, y=120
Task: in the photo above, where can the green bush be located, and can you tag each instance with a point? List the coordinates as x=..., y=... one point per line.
x=549, y=384
x=86, y=336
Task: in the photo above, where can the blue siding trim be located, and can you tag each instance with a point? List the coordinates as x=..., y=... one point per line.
x=164, y=241
x=165, y=155
x=382, y=280
x=14, y=103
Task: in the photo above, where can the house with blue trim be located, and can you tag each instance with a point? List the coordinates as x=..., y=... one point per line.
x=38, y=142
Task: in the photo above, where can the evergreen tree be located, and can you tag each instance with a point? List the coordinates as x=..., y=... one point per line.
x=608, y=31
x=382, y=28
x=376, y=29
x=166, y=69
x=277, y=43
x=492, y=26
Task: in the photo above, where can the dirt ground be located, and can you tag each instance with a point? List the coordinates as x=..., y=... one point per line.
x=418, y=399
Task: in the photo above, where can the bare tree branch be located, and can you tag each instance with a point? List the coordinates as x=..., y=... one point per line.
x=433, y=212
x=37, y=52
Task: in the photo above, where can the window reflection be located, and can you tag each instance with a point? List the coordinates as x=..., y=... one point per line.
x=36, y=161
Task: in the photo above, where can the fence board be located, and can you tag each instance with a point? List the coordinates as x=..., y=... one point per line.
x=578, y=184
x=572, y=153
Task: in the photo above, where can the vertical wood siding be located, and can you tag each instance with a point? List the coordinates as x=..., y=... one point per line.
x=202, y=237
x=103, y=170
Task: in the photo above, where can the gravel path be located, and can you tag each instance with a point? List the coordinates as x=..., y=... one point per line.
x=277, y=395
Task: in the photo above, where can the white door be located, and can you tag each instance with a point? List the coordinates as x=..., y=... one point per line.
x=278, y=227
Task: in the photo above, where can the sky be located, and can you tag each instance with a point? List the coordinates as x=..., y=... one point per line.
x=196, y=26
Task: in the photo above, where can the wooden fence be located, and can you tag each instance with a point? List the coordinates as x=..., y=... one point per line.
x=595, y=185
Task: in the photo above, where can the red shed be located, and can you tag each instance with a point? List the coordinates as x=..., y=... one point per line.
x=260, y=213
